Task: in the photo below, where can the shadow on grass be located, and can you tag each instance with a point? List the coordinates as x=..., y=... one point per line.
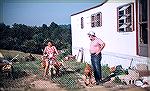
x=19, y=74
x=8, y=82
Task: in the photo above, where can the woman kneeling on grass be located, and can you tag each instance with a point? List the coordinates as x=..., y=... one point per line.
x=50, y=52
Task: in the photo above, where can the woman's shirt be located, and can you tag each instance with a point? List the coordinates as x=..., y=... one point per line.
x=50, y=51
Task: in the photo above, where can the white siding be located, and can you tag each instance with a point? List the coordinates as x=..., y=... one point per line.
x=116, y=42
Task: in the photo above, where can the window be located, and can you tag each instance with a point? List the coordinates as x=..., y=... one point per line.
x=82, y=22
x=92, y=21
x=125, y=21
x=96, y=20
x=99, y=19
x=143, y=21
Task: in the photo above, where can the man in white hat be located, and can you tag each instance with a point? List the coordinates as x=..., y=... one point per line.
x=96, y=47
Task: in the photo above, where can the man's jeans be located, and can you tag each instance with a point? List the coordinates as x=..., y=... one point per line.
x=96, y=64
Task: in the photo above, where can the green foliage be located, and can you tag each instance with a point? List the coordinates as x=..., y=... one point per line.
x=63, y=54
x=38, y=38
x=66, y=80
x=31, y=38
x=120, y=71
x=117, y=80
x=30, y=67
x=105, y=70
x=75, y=66
x=69, y=80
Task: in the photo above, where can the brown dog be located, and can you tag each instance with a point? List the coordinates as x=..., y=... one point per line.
x=87, y=75
x=43, y=63
x=56, y=67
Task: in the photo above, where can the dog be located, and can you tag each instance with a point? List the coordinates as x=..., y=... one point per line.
x=87, y=75
x=43, y=63
x=54, y=66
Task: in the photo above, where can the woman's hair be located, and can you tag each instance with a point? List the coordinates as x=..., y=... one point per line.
x=48, y=40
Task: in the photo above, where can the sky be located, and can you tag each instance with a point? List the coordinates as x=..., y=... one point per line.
x=38, y=12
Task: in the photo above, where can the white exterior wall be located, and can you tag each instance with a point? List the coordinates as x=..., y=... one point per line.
x=123, y=43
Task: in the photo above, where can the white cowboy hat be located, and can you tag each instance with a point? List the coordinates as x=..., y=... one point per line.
x=91, y=33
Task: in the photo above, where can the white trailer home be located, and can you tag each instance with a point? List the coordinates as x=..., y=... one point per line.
x=123, y=25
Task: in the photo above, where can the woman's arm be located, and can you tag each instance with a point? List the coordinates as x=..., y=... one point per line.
x=56, y=51
x=44, y=52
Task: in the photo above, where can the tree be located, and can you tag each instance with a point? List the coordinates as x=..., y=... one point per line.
x=31, y=38
x=30, y=46
x=38, y=38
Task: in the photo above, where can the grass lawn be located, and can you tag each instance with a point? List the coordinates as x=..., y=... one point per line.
x=68, y=80
x=29, y=67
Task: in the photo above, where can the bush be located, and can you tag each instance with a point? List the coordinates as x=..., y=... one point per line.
x=105, y=71
x=117, y=80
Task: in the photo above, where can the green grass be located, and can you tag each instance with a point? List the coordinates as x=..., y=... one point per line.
x=105, y=70
x=29, y=67
x=69, y=80
x=75, y=66
x=66, y=80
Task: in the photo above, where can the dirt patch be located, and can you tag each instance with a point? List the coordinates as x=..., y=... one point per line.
x=30, y=83
x=46, y=85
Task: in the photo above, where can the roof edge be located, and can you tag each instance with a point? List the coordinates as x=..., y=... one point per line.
x=90, y=8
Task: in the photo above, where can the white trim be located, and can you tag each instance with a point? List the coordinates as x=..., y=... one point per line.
x=125, y=7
